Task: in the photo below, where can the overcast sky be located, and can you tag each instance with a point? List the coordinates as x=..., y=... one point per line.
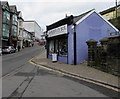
x=46, y=12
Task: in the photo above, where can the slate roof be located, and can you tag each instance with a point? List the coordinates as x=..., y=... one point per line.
x=13, y=7
x=77, y=18
x=3, y=2
x=4, y=5
x=68, y=20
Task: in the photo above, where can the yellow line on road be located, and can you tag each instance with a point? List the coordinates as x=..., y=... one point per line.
x=87, y=80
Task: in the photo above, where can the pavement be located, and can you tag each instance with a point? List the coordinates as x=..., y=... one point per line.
x=79, y=71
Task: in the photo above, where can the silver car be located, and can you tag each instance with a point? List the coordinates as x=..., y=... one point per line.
x=8, y=49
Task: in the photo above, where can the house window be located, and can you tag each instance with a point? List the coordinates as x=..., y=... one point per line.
x=14, y=19
x=5, y=30
x=14, y=31
x=4, y=27
x=6, y=17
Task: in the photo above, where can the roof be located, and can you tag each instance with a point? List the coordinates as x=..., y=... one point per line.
x=33, y=22
x=3, y=2
x=13, y=7
x=109, y=10
x=93, y=11
x=68, y=20
x=77, y=18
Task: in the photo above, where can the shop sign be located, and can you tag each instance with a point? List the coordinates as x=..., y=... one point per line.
x=57, y=31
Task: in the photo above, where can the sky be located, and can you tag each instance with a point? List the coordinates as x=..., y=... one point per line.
x=46, y=12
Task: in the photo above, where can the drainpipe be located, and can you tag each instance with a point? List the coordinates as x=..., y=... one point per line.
x=75, y=59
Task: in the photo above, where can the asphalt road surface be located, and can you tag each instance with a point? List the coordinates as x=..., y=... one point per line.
x=22, y=79
x=12, y=61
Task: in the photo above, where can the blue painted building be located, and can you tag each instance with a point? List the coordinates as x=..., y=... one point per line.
x=68, y=36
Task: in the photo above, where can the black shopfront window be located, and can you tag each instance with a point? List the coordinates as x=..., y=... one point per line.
x=63, y=47
x=51, y=47
x=58, y=46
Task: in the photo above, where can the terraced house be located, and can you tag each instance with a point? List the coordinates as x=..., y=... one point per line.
x=5, y=16
x=112, y=15
x=9, y=24
x=111, y=12
x=20, y=29
x=13, y=25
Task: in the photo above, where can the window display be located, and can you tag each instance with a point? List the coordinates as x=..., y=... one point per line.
x=56, y=47
x=59, y=47
x=63, y=47
x=51, y=47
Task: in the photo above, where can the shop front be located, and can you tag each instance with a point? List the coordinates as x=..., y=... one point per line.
x=67, y=37
x=58, y=43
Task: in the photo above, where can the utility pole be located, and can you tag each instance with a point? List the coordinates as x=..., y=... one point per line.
x=116, y=8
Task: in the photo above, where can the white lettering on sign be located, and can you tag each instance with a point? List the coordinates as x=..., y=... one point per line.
x=58, y=31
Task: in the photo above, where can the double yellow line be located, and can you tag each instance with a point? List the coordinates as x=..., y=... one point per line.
x=70, y=75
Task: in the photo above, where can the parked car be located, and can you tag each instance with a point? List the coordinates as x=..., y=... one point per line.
x=8, y=49
x=0, y=51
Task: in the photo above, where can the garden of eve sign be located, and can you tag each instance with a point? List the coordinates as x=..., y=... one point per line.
x=57, y=31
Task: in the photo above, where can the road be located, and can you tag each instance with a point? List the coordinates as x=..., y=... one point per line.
x=15, y=60
x=22, y=79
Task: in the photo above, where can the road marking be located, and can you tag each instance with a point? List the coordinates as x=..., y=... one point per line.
x=70, y=75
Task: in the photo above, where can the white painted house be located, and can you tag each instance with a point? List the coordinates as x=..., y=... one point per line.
x=20, y=29
x=33, y=27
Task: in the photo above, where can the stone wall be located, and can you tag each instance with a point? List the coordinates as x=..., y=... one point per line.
x=106, y=55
